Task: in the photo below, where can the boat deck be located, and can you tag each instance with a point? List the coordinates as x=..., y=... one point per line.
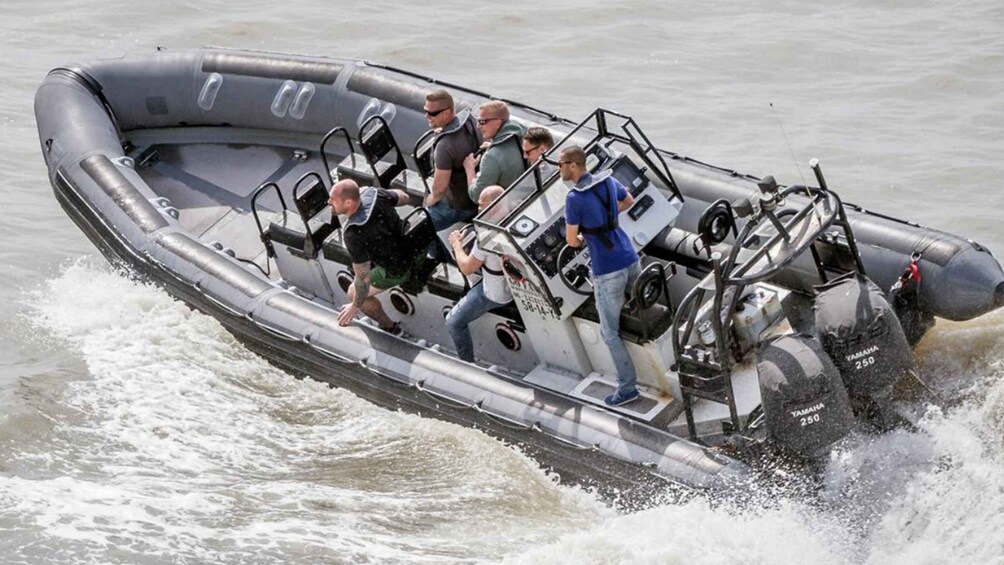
x=211, y=186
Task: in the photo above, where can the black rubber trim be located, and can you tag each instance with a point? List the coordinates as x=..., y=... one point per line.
x=93, y=86
x=271, y=67
x=107, y=176
x=935, y=246
x=212, y=263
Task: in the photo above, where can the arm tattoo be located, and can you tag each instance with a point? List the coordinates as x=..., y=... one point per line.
x=361, y=282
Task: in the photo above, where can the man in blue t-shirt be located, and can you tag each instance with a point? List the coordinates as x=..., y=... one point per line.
x=591, y=210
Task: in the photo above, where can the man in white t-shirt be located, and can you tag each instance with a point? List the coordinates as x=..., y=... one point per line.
x=492, y=292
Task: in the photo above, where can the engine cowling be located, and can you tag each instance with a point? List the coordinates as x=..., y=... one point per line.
x=805, y=404
x=859, y=330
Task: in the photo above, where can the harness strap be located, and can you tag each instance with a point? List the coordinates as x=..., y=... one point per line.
x=612, y=224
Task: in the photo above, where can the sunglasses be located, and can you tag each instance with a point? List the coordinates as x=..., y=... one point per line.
x=434, y=113
x=527, y=151
x=483, y=121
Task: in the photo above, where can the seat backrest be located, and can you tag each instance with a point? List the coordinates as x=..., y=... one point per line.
x=423, y=153
x=376, y=141
x=418, y=229
x=311, y=199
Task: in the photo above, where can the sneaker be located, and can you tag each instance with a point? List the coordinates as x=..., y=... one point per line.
x=619, y=399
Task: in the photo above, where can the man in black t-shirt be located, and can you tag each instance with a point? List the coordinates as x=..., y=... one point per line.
x=381, y=258
x=448, y=201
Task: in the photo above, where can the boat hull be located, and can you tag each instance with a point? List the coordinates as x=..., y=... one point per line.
x=90, y=114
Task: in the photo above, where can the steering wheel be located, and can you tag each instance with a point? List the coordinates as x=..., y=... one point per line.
x=575, y=277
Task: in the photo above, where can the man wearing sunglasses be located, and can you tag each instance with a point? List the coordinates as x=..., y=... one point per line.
x=502, y=162
x=536, y=141
x=448, y=201
x=591, y=209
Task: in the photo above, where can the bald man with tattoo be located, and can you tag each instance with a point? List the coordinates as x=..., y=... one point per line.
x=373, y=235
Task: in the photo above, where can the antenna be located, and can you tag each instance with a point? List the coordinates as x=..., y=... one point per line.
x=780, y=126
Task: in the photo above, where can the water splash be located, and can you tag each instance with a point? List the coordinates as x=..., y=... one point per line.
x=178, y=445
x=185, y=444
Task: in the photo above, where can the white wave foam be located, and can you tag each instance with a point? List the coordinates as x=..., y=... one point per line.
x=930, y=496
x=954, y=513
x=187, y=444
x=699, y=533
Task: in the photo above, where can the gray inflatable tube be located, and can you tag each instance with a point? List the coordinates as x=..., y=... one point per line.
x=84, y=110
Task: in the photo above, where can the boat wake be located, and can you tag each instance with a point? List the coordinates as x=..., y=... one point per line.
x=935, y=495
x=181, y=445
x=177, y=444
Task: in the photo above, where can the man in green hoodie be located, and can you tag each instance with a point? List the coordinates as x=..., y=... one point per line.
x=502, y=162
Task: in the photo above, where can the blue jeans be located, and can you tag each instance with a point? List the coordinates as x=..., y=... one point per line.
x=471, y=307
x=444, y=216
x=609, y=291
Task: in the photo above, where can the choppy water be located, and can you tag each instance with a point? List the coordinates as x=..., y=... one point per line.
x=133, y=430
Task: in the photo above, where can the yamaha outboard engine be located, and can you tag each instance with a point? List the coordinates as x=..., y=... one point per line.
x=805, y=404
x=860, y=332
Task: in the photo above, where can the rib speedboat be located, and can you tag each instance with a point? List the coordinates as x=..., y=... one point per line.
x=768, y=319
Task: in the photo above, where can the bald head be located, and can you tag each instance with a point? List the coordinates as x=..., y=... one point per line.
x=344, y=197
x=488, y=195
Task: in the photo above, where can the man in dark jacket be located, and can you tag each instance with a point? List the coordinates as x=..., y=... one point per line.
x=373, y=235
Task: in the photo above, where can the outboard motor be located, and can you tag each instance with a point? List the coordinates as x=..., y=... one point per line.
x=805, y=404
x=860, y=332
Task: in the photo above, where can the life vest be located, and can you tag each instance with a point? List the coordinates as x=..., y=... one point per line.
x=362, y=215
x=518, y=139
x=609, y=205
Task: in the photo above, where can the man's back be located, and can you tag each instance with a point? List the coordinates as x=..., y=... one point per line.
x=592, y=209
x=379, y=239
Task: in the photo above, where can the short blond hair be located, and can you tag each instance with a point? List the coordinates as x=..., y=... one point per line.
x=494, y=109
